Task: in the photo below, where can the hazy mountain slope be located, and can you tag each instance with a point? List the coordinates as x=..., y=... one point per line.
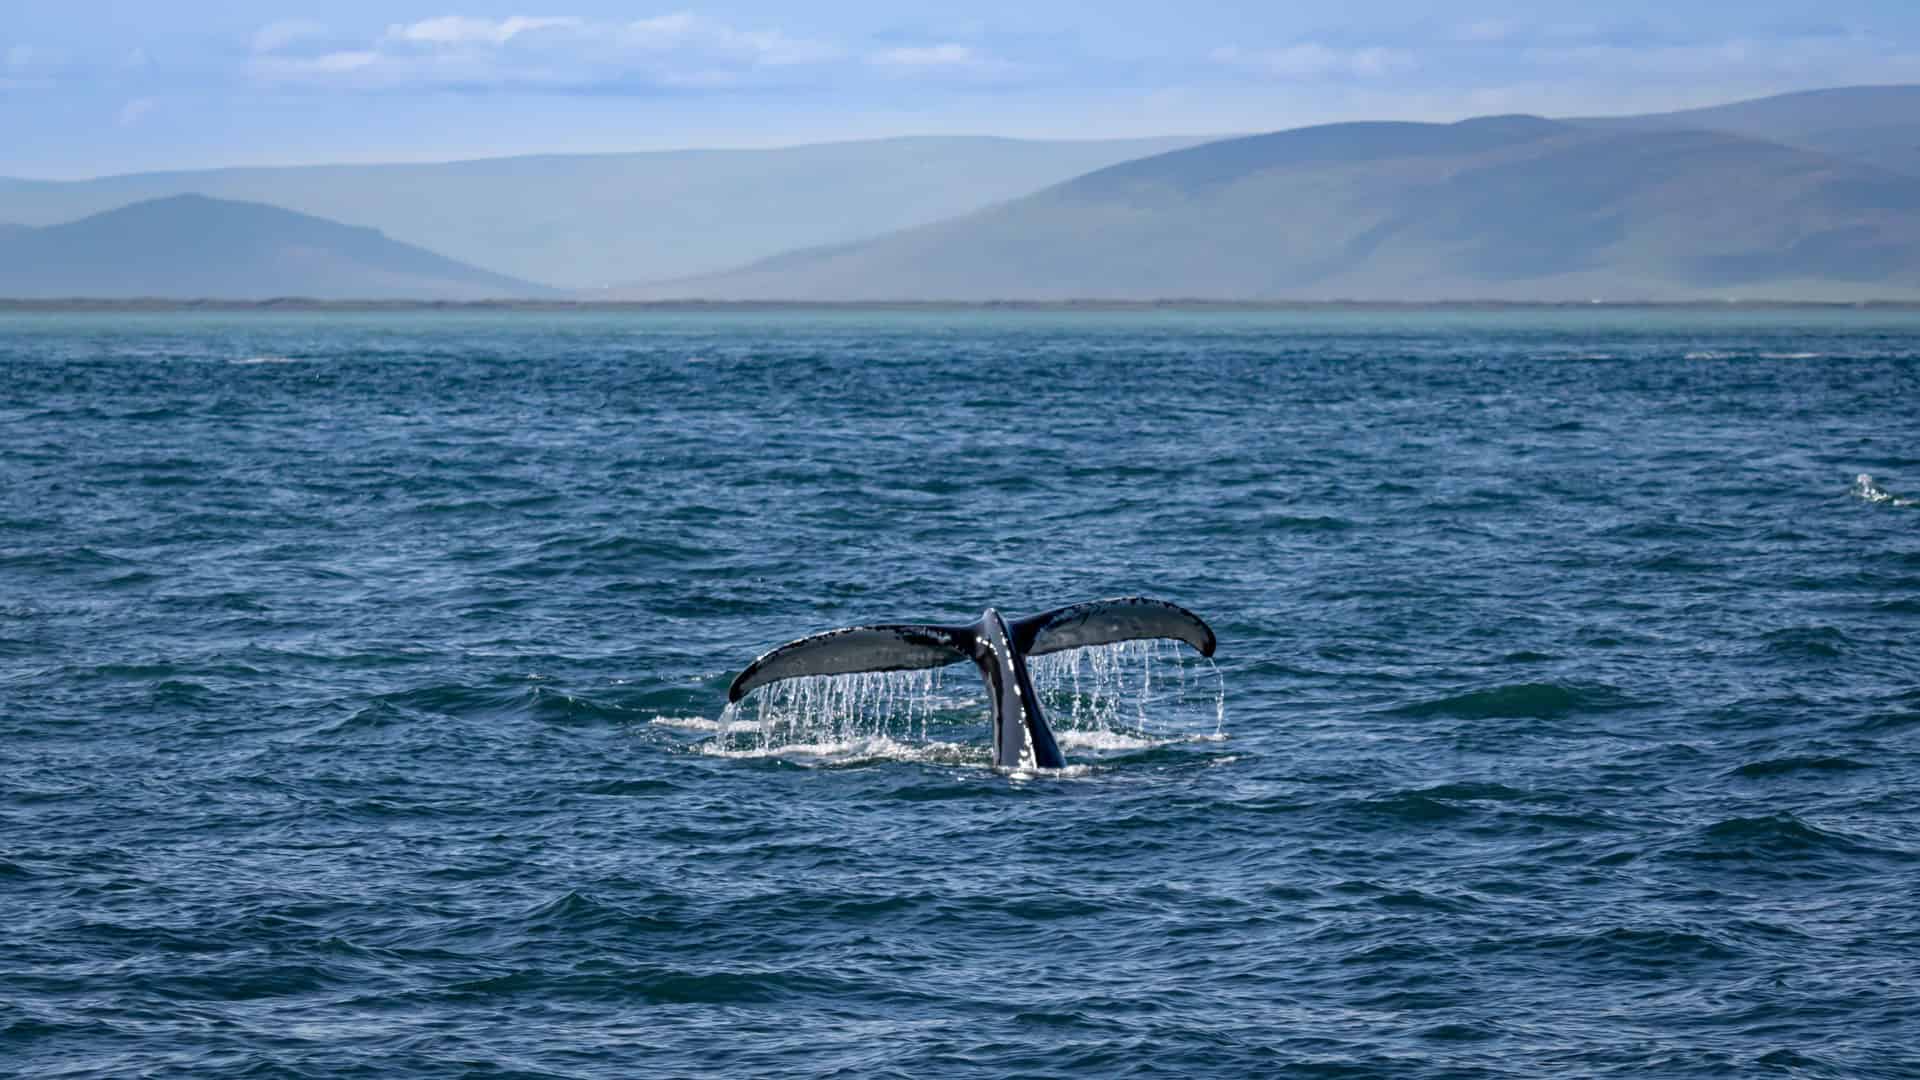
x=189, y=246
x=1874, y=125
x=586, y=221
x=1506, y=207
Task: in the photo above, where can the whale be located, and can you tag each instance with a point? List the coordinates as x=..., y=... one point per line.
x=999, y=647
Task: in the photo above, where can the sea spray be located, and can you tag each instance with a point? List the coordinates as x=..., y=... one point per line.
x=821, y=714
x=1127, y=696
x=1866, y=487
x=1154, y=689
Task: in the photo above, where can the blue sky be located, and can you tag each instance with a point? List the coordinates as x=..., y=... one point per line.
x=91, y=87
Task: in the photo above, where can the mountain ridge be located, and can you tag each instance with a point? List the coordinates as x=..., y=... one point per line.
x=1873, y=125
x=194, y=246
x=589, y=220
x=1503, y=208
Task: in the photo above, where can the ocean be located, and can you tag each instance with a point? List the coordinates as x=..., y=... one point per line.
x=363, y=694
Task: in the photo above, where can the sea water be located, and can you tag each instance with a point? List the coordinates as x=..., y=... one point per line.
x=363, y=679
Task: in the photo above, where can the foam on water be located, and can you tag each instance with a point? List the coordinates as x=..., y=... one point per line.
x=703, y=723
x=1865, y=487
x=1104, y=740
x=852, y=751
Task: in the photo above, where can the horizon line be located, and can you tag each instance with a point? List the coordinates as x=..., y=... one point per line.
x=14, y=305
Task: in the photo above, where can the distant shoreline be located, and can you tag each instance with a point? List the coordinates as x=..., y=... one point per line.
x=295, y=304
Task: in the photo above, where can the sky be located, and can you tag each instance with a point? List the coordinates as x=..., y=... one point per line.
x=98, y=87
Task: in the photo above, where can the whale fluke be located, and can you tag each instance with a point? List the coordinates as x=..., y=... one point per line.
x=856, y=649
x=1103, y=622
x=998, y=648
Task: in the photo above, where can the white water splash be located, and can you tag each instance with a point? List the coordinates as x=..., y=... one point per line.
x=1864, y=487
x=1121, y=698
x=1152, y=690
x=892, y=714
x=702, y=723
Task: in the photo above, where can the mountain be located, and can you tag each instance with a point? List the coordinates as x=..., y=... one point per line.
x=1510, y=207
x=587, y=221
x=193, y=247
x=1873, y=125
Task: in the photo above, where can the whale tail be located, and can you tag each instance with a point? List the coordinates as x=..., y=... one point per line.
x=1103, y=622
x=907, y=646
x=887, y=647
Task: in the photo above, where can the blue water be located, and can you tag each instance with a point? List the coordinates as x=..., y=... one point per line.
x=362, y=684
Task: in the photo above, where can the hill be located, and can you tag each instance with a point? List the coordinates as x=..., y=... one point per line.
x=1872, y=125
x=192, y=247
x=590, y=220
x=1495, y=208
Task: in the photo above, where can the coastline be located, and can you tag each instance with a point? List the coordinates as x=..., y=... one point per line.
x=302, y=304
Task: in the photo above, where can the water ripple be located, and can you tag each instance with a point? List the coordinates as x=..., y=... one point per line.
x=364, y=681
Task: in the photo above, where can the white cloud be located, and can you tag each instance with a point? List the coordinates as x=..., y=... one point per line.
x=1835, y=60
x=466, y=30
x=1485, y=31
x=930, y=56
x=132, y=112
x=1312, y=60
x=307, y=68
x=662, y=31
x=951, y=63
x=685, y=31
x=343, y=61
x=546, y=53
x=30, y=67
x=278, y=35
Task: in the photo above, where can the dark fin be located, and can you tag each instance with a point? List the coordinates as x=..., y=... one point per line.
x=857, y=649
x=1103, y=622
x=1046, y=752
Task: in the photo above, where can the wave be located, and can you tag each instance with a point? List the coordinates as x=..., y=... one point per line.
x=1636, y=945
x=466, y=702
x=659, y=985
x=1412, y=807
x=1307, y=524
x=80, y=558
x=1472, y=792
x=1811, y=642
x=1520, y=700
x=1756, y=770
x=1776, y=840
x=629, y=787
